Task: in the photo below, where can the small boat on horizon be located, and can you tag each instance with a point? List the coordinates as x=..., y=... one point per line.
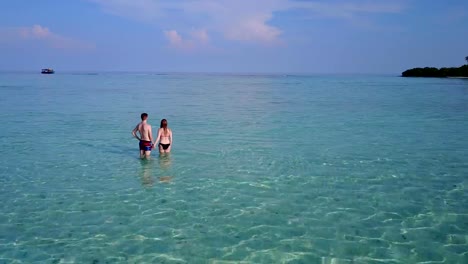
x=47, y=71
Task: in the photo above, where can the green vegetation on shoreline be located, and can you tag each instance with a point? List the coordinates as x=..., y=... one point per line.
x=435, y=72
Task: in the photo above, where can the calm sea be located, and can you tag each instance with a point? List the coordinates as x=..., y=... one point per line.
x=264, y=169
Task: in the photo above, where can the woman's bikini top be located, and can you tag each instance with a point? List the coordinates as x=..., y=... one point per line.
x=165, y=136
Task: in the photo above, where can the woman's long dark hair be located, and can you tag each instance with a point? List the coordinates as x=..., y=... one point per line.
x=164, y=125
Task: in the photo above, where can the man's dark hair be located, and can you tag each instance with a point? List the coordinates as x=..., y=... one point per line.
x=144, y=116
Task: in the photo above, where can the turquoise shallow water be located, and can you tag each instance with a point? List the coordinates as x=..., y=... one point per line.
x=264, y=169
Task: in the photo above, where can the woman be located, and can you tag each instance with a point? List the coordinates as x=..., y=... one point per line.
x=164, y=137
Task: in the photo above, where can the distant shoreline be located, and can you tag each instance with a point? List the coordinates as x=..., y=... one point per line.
x=460, y=72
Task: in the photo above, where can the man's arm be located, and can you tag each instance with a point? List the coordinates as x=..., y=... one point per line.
x=158, y=136
x=150, y=134
x=134, y=133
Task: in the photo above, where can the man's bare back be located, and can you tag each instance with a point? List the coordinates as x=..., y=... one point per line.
x=144, y=129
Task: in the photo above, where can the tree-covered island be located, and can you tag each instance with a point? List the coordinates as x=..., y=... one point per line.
x=435, y=72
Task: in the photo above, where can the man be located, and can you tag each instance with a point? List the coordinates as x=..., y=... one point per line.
x=145, y=138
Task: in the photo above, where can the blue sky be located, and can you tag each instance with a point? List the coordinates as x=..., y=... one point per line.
x=289, y=36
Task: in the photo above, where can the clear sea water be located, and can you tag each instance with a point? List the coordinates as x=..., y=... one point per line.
x=264, y=169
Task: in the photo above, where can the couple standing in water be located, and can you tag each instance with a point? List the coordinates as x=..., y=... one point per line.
x=146, y=137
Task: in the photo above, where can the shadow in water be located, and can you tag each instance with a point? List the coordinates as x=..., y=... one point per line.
x=146, y=173
x=165, y=162
x=147, y=176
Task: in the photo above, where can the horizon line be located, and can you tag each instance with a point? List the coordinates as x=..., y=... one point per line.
x=156, y=72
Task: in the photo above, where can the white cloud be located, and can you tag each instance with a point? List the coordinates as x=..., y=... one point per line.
x=239, y=20
x=198, y=38
x=252, y=29
x=176, y=41
x=42, y=34
x=35, y=31
x=201, y=36
x=173, y=37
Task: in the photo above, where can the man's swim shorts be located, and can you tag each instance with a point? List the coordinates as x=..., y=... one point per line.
x=145, y=145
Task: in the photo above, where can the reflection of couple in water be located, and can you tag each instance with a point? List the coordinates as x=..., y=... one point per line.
x=147, y=166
